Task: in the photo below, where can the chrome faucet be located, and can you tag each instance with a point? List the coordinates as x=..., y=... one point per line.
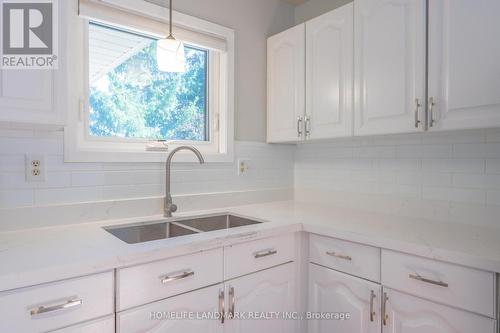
x=169, y=207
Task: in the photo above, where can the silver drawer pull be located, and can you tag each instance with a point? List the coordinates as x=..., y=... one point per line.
x=422, y=279
x=340, y=256
x=264, y=253
x=68, y=304
x=183, y=275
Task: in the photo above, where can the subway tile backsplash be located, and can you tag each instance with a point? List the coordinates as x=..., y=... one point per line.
x=448, y=176
x=271, y=167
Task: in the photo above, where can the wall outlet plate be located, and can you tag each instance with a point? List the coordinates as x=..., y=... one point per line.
x=35, y=168
x=243, y=166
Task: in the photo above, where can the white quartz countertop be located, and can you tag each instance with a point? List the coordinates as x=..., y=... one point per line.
x=34, y=256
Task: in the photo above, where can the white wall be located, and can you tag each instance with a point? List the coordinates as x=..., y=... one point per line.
x=313, y=8
x=448, y=177
x=253, y=21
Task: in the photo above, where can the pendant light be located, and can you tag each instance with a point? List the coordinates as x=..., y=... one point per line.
x=170, y=52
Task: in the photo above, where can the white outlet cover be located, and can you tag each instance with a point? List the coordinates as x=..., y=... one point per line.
x=243, y=166
x=35, y=168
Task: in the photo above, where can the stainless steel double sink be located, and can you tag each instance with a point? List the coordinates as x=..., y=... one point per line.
x=149, y=231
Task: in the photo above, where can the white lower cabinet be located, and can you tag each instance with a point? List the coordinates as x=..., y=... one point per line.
x=242, y=301
x=409, y=314
x=266, y=293
x=104, y=325
x=335, y=293
x=182, y=314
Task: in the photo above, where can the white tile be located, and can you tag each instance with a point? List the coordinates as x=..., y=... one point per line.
x=87, y=178
x=454, y=165
x=480, y=150
x=18, y=181
x=493, y=166
x=375, y=152
x=493, y=197
x=67, y=195
x=133, y=177
x=476, y=181
x=493, y=135
x=16, y=198
x=466, y=136
x=454, y=194
x=16, y=146
x=12, y=163
x=425, y=151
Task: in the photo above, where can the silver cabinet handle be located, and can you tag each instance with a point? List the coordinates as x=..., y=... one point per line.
x=432, y=103
x=372, y=312
x=299, y=126
x=422, y=279
x=222, y=311
x=169, y=278
x=264, y=253
x=417, y=111
x=340, y=256
x=308, y=126
x=385, y=316
x=68, y=304
x=232, y=303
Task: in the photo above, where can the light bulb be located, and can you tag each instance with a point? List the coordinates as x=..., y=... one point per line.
x=170, y=55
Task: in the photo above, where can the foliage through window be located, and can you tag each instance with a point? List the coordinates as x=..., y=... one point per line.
x=130, y=98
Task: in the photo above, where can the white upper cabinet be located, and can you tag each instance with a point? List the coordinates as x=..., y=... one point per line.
x=408, y=314
x=464, y=64
x=35, y=96
x=389, y=66
x=286, y=85
x=333, y=292
x=329, y=74
x=27, y=96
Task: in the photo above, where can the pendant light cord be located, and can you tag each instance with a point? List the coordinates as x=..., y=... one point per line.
x=170, y=20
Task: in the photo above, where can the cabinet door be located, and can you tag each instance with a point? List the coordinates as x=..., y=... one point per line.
x=25, y=95
x=105, y=325
x=329, y=74
x=389, y=66
x=408, y=314
x=334, y=292
x=269, y=292
x=286, y=85
x=187, y=313
x=464, y=66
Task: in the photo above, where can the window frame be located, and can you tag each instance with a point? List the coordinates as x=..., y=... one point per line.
x=80, y=146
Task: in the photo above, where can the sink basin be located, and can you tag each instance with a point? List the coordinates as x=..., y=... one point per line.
x=145, y=232
x=217, y=222
x=139, y=233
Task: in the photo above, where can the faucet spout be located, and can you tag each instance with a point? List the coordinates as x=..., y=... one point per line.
x=170, y=207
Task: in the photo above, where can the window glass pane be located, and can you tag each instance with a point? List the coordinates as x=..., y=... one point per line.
x=130, y=98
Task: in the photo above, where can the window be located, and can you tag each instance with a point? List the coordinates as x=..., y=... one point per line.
x=126, y=102
x=130, y=98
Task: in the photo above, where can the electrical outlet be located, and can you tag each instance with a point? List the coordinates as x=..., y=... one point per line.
x=243, y=167
x=35, y=168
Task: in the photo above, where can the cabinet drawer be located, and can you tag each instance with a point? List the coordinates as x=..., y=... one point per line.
x=54, y=305
x=458, y=286
x=104, y=325
x=161, y=279
x=241, y=259
x=352, y=258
